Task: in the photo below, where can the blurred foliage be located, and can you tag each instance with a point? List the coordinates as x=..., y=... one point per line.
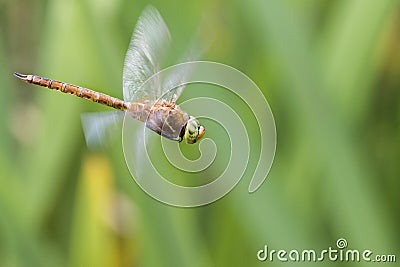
x=330, y=71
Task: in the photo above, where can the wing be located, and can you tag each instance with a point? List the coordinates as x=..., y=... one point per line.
x=147, y=47
x=174, y=83
x=97, y=125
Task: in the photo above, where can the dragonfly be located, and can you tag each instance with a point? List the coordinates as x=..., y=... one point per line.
x=153, y=105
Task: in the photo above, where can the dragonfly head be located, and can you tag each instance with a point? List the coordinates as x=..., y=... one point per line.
x=193, y=131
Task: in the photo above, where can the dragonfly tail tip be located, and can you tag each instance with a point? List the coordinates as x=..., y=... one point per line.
x=20, y=76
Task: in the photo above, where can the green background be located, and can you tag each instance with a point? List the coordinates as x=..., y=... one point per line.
x=330, y=71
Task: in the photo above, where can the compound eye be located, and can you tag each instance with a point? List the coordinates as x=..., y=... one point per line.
x=191, y=129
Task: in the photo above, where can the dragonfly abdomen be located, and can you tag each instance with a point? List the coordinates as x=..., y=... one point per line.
x=75, y=90
x=139, y=111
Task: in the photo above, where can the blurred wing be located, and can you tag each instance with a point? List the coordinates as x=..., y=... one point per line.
x=97, y=127
x=174, y=84
x=147, y=48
